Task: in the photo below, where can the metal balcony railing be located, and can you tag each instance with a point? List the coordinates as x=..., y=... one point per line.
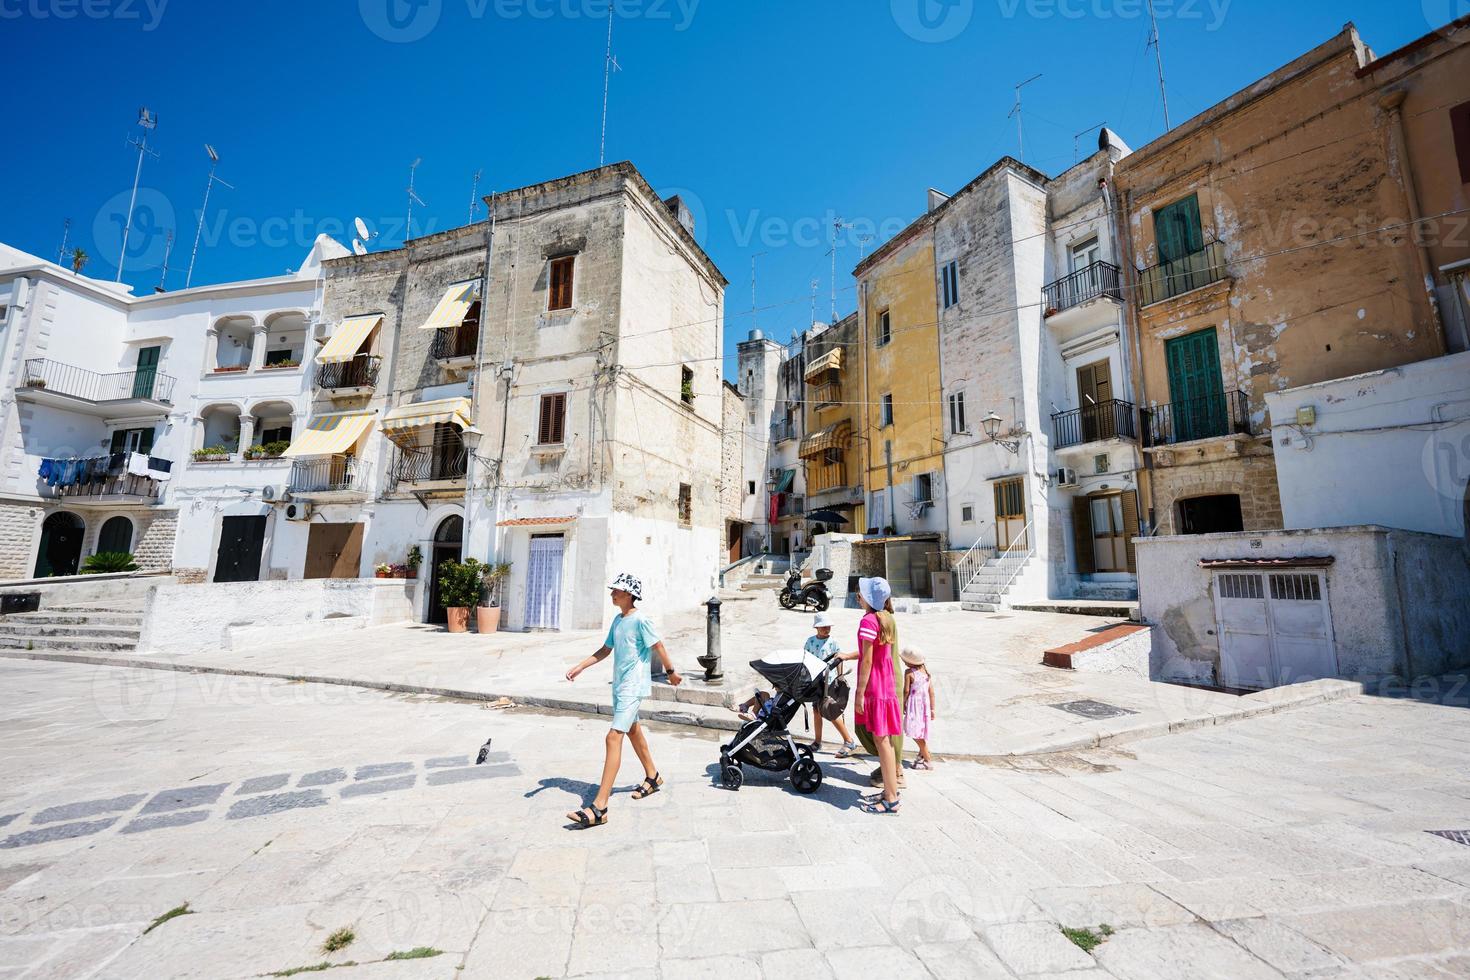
x=1111, y=419
x=791, y=506
x=360, y=372
x=91, y=386
x=102, y=480
x=424, y=464
x=452, y=342
x=1168, y=279
x=783, y=431
x=324, y=474
x=1090, y=282
x=1220, y=414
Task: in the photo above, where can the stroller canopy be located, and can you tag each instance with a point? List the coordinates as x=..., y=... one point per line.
x=792, y=672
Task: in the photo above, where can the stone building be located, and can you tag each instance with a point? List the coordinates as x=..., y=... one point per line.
x=758, y=368
x=732, y=469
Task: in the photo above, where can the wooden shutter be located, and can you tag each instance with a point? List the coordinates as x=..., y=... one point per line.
x=1177, y=229
x=552, y=428
x=119, y=440
x=1460, y=128
x=1130, y=525
x=1082, y=535
x=561, y=282
x=145, y=441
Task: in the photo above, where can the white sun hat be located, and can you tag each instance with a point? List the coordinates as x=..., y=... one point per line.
x=821, y=619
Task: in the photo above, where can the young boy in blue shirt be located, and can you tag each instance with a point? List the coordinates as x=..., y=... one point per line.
x=822, y=645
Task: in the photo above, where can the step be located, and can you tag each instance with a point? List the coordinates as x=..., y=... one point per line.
x=75, y=643
x=982, y=596
x=988, y=607
x=48, y=618
x=70, y=629
x=1116, y=593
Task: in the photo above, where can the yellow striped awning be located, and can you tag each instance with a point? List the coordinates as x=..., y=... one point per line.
x=348, y=338
x=401, y=423
x=830, y=361
x=329, y=435
x=835, y=436
x=453, y=306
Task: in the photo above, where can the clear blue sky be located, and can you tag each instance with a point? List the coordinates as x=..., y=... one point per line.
x=769, y=115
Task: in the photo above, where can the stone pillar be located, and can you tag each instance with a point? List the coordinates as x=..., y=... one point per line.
x=257, y=349
x=247, y=432
x=211, y=350
x=196, y=438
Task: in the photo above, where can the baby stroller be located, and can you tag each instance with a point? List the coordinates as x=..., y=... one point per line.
x=766, y=743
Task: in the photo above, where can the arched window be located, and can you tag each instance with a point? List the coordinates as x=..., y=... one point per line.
x=116, y=535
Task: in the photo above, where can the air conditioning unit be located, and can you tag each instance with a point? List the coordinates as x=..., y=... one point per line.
x=298, y=512
x=269, y=494
x=1066, y=477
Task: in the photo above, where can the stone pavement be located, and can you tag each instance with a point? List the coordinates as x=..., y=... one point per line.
x=1298, y=844
x=995, y=696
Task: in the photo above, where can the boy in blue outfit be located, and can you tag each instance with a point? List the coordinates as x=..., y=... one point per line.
x=632, y=641
x=822, y=645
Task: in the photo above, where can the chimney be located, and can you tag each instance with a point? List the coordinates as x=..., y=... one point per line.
x=936, y=198
x=681, y=212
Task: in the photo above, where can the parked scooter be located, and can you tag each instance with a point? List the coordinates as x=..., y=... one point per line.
x=812, y=595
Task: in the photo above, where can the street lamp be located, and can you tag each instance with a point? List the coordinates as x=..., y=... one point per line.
x=991, y=425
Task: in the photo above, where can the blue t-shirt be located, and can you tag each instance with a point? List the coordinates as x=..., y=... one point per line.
x=632, y=639
x=818, y=647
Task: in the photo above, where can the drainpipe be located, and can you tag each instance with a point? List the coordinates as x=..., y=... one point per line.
x=1132, y=330
x=1393, y=103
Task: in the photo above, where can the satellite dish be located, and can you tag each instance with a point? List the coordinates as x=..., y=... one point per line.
x=362, y=229
x=358, y=248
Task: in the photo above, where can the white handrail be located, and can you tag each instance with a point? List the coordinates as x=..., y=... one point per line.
x=968, y=567
x=1009, y=560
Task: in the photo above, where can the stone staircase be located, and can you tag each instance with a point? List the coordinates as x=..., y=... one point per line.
x=987, y=593
x=84, y=629
x=763, y=583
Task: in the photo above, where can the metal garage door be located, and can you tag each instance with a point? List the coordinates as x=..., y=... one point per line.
x=1275, y=628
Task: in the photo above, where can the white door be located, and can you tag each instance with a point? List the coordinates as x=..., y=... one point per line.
x=543, y=582
x=1275, y=628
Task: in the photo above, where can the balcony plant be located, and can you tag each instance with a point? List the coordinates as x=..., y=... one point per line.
x=413, y=561
x=231, y=368
x=109, y=563
x=282, y=365
x=382, y=570
x=487, y=616
x=35, y=382
x=211, y=454
x=269, y=450
x=459, y=589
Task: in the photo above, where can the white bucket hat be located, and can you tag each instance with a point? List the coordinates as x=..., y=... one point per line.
x=821, y=619
x=875, y=592
x=629, y=584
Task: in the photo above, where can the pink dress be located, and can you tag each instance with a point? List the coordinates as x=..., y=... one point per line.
x=916, y=709
x=879, y=713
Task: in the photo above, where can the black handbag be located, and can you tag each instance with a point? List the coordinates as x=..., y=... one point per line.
x=834, y=702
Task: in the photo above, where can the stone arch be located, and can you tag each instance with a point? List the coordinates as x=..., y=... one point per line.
x=219, y=425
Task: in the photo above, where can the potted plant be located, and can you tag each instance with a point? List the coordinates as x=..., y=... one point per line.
x=35, y=382
x=282, y=365
x=459, y=589
x=108, y=562
x=413, y=561
x=211, y=454
x=487, y=616
x=382, y=570
x=399, y=571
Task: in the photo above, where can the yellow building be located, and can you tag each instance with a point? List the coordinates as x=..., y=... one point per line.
x=831, y=455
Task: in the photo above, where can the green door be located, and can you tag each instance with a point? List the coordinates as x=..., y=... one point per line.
x=1177, y=230
x=1196, y=392
x=147, y=372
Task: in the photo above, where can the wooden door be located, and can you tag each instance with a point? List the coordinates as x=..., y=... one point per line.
x=1094, y=397
x=241, y=540
x=1196, y=393
x=1010, y=513
x=333, y=551
x=61, y=545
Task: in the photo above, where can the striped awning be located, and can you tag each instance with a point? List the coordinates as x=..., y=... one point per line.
x=329, y=435
x=347, y=338
x=401, y=423
x=784, y=481
x=830, y=361
x=453, y=306
x=834, y=436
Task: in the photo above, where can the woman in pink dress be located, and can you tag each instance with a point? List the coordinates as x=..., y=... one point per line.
x=877, y=707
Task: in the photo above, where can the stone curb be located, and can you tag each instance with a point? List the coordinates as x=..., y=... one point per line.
x=1266, y=702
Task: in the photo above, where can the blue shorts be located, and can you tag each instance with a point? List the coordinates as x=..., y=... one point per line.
x=625, y=714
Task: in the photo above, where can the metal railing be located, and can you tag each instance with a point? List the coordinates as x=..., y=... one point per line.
x=790, y=506
x=452, y=342
x=1014, y=558
x=324, y=474
x=1167, y=279
x=360, y=372
x=1221, y=414
x=967, y=569
x=1111, y=419
x=92, y=386
x=424, y=464
x=783, y=431
x=1093, y=280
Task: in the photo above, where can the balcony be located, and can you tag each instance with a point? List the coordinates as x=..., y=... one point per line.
x=326, y=475
x=1098, y=280
x=344, y=379
x=457, y=346
x=1111, y=419
x=783, y=431
x=1225, y=413
x=123, y=393
x=1184, y=274
x=790, y=506
x=825, y=477
x=424, y=466
x=826, y=395
x=102, y=481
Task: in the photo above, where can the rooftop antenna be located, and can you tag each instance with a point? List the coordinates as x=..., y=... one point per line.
x=149, y=122
x=65, y=234
x=199, y=231
x=837, y=225
x=609, y=65
x=752, y=286
x=816, y=284
x=1078, y=136
x=863, y=245
x=474, y=192
x=1016, y=112
x=168, y=249
x=1153, y=41
x=412, y=198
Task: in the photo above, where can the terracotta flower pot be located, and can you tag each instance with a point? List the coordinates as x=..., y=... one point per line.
x=400, y=574
x=380, y=574
x=487, y=619
x=458, y=619
x=413, y=573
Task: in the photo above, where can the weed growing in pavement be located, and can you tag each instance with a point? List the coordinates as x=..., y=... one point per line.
x=1086, y=939
x=340, y=939
x=417, y=953
x=172, y=913
x=318, y=968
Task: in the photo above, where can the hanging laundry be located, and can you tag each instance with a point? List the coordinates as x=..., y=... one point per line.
x=137, y=464
x=159, y=468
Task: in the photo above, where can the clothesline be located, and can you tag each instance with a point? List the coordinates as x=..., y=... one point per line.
x=77, y=471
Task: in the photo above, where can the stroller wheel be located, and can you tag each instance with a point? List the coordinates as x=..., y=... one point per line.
x=731, y=777
x=806, y=775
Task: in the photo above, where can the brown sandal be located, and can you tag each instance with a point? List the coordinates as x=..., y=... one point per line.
x=648, y=787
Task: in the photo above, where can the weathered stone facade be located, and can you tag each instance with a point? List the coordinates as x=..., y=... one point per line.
x=20, y=527
x=1214, y=470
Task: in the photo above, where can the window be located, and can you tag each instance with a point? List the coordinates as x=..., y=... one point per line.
x=1084, y=254
x=281, y=433
x=885, y=415
x=1177, y=229
x=832, y=457
x=561, y=283
x=1460, y=127
x=924, y=488
x=686, y=504
x=750, y=487
x=131, y=441
x=951, y=283
x=957, y=413
x=686, y=385
x=278, y=357
x=967, y=514
x=551, y=430
x=885, y=329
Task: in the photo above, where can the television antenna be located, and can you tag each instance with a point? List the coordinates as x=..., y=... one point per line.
x=1153, y=42
x=474, y=192
x=199, y=231
x=168, y=249
x=412, y=198
x=752, y=286
x=837, y=225
x=816, y=284
x=65, y=234
x=609, y=65
x=148, y=122
x=1078, y=136
x=1016, y=113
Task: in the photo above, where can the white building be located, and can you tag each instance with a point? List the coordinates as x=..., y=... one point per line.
x=769, y=377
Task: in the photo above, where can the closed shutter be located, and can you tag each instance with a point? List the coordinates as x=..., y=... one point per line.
x=551, y=430
x=1130, y=525
x=561, y=283
x=1082, y=535
x=1177, y=229
x=145, y=441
